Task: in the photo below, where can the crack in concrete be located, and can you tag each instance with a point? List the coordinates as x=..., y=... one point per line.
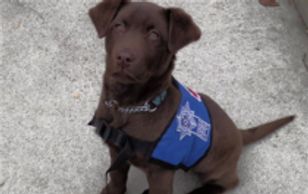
x=300, y=15
x=305, y=61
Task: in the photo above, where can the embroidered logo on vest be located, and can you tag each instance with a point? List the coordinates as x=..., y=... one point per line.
x=190, y=124
x=189, y=134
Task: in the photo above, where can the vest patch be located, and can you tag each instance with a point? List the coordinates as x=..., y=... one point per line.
x=190, y=124
x=188, y=137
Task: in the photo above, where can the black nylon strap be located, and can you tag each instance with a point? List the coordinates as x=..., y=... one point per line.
x=127, y=145
x=123, y=156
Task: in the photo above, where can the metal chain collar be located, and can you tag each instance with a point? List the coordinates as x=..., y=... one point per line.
x=130, y=109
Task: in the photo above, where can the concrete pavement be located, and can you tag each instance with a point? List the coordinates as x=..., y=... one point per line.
x=252, y=60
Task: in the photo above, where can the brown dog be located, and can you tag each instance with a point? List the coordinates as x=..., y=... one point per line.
x=141, y=42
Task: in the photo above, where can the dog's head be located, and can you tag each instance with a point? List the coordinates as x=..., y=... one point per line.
x=141, y=38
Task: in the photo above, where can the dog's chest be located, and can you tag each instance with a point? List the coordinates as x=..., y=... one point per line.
x=150, y=126
x=179, y=139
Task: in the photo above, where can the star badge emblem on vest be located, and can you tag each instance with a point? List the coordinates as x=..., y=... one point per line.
x=190, y=124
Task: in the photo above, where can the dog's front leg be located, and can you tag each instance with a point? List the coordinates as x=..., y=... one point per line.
x=118, y=178
x=160, y=180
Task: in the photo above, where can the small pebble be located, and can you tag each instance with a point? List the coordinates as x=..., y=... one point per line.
x=76, y=94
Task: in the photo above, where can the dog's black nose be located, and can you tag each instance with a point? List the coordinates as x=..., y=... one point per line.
x=125, y=58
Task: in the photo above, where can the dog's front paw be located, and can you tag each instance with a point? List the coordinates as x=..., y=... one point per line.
x=112, y=190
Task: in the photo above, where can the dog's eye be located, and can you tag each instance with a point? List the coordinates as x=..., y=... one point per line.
x=154, y=35
x=119, y=26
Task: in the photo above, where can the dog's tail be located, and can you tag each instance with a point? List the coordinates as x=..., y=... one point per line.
x=253, y=134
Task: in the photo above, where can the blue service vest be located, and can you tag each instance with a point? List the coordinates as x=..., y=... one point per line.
x=188, y=137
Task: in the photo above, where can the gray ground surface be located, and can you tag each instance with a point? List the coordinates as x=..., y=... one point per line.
x=251, y=60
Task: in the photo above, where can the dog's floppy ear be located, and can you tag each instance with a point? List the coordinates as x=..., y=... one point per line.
x=103, y=14
x=182, y=29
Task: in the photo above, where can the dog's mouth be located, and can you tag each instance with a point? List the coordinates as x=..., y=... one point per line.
x=126, y=77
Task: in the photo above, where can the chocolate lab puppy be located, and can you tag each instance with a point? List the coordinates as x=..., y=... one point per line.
x=140, y=99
